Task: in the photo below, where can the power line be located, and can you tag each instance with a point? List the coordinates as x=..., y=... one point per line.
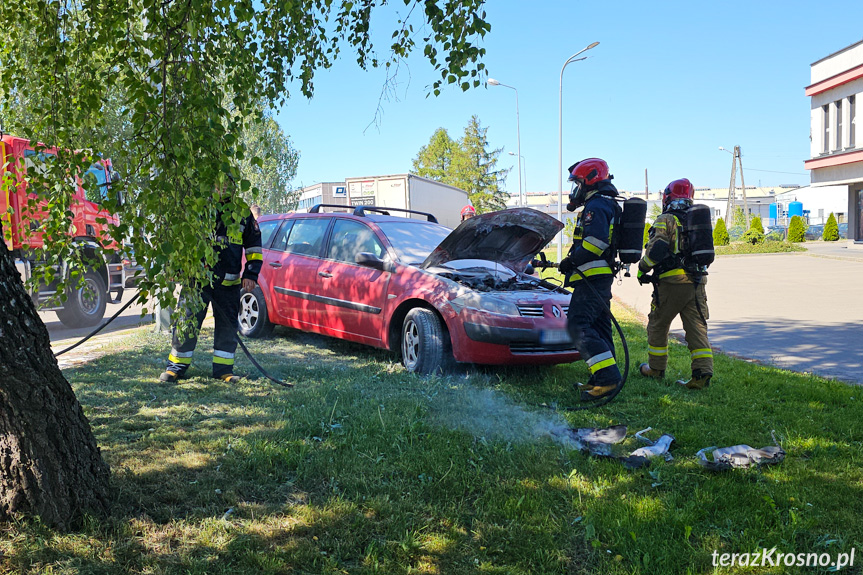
x=775, y=172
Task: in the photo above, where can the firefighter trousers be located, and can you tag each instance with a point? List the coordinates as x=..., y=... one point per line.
x=589, y=325
x=690, y=302
x=226, y=300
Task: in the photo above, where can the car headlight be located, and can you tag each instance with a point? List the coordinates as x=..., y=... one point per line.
x=483, y=302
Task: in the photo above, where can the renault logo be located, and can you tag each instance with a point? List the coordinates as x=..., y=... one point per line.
x=555, y=311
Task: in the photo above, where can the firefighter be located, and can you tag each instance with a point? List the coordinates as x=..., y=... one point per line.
x=679, y=288
x=224, y=292
x=589, y=319
x=467, y=212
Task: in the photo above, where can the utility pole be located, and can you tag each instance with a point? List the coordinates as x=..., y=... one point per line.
x=729, y=209
x=742, y=184
x=646, y=193
x=736, y=158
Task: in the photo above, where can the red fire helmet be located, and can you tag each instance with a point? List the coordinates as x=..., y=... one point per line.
x=681, y=189
x=589, y=171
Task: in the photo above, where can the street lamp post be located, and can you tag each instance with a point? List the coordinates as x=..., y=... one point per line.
x=525, y=175
x=560, y=147
x=493, y=82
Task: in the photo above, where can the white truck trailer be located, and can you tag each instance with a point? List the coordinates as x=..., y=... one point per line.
x=409, y=192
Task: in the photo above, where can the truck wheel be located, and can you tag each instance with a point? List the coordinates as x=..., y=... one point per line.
x=426, y=348
x=253, y=317
x=85, y=305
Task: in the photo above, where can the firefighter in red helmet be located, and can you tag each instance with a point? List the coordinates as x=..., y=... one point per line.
x=467, y=212
x=673, y=279
x=588, y=270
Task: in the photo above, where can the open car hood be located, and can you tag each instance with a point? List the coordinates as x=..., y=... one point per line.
x=509, y=237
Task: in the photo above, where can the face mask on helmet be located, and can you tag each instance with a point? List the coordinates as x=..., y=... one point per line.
x=576, y=196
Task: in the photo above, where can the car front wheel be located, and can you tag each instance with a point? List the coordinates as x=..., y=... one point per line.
x=253, y=318
x=426, y=348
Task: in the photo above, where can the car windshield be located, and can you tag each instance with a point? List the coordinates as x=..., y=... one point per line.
x=413, y=240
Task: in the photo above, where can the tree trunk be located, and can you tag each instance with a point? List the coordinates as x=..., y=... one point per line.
x=50, y=465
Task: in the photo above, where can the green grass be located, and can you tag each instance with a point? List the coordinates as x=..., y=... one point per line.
x=766, y=247
x=363, y=468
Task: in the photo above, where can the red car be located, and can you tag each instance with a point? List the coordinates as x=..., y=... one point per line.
x=412, y=286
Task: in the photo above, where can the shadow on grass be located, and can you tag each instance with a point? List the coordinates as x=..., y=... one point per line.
x=352, y=471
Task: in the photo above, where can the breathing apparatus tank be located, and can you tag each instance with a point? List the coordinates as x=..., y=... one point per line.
x=699, y=236
x=631, y=234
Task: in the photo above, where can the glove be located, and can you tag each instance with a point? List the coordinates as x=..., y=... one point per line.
x=643, y=278
x=565, y=266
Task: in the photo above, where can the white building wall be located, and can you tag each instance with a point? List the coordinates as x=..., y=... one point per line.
x=834, y=64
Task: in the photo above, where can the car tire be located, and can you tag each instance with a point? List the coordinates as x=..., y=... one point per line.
x=253, y=317
x=425, y=346
x=85, y=305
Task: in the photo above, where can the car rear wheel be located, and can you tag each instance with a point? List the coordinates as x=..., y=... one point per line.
x=426, y=348
x=253, y=316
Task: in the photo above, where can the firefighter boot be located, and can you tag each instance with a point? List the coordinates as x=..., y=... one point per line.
x=169, y=376
x=599, y=391
x=230, y=378
x=646, y=371
x=591, y=383
x=698, y=381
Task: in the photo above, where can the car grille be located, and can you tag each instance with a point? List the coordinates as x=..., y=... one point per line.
x=527, y=348
x=530, y=310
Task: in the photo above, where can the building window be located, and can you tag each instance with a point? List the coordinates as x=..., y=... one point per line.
x=825, y=148
x=852, y=109
x=838, y=124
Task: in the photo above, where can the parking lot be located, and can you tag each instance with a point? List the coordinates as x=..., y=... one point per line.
x=800, y=311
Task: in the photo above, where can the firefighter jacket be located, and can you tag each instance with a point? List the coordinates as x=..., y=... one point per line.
x=592, y=250
x=664, y=250
x=230, y=252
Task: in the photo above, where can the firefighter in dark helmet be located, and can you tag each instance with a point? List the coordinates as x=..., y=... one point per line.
x=229, y=278
x=589, y=320
x=679, y=289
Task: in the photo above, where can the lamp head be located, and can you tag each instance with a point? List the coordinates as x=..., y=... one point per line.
x=493, y=82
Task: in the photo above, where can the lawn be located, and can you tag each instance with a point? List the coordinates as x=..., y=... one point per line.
x=364, y=468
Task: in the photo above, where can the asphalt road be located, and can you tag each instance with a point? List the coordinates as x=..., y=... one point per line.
x=802, y=312
x=128, y=319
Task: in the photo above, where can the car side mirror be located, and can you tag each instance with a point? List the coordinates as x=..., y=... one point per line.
x=371, y=260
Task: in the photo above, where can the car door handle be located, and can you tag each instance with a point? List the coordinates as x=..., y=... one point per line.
x=325, y=274
x=275, y=265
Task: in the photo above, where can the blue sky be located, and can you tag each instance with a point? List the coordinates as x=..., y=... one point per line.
x=669, y=83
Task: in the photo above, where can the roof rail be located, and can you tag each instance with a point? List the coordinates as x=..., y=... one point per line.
x=361, y=210
x=316, y=209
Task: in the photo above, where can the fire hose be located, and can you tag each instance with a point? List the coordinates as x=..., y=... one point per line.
x=543, y=263
x=216, y=308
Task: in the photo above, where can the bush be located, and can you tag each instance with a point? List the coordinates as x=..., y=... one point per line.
x=831, y=229
x=797, y=230
x=755, y=233
x=646, y=234
x=720, y=233
x=767, y=247
x=753, y=236
x=755, y=224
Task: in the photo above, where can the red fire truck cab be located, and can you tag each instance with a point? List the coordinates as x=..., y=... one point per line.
x=103, y=283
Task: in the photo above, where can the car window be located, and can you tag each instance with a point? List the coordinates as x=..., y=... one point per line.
x=350, y=238
x=307, y=235
x=267, y=231
x=280, y=239
x=413, y=241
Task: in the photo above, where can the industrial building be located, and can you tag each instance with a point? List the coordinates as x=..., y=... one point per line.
x=836, y=152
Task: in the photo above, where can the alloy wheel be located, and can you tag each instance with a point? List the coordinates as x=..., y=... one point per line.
x=249, y=311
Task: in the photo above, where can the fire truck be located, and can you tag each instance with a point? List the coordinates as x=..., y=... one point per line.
x=104, y=281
